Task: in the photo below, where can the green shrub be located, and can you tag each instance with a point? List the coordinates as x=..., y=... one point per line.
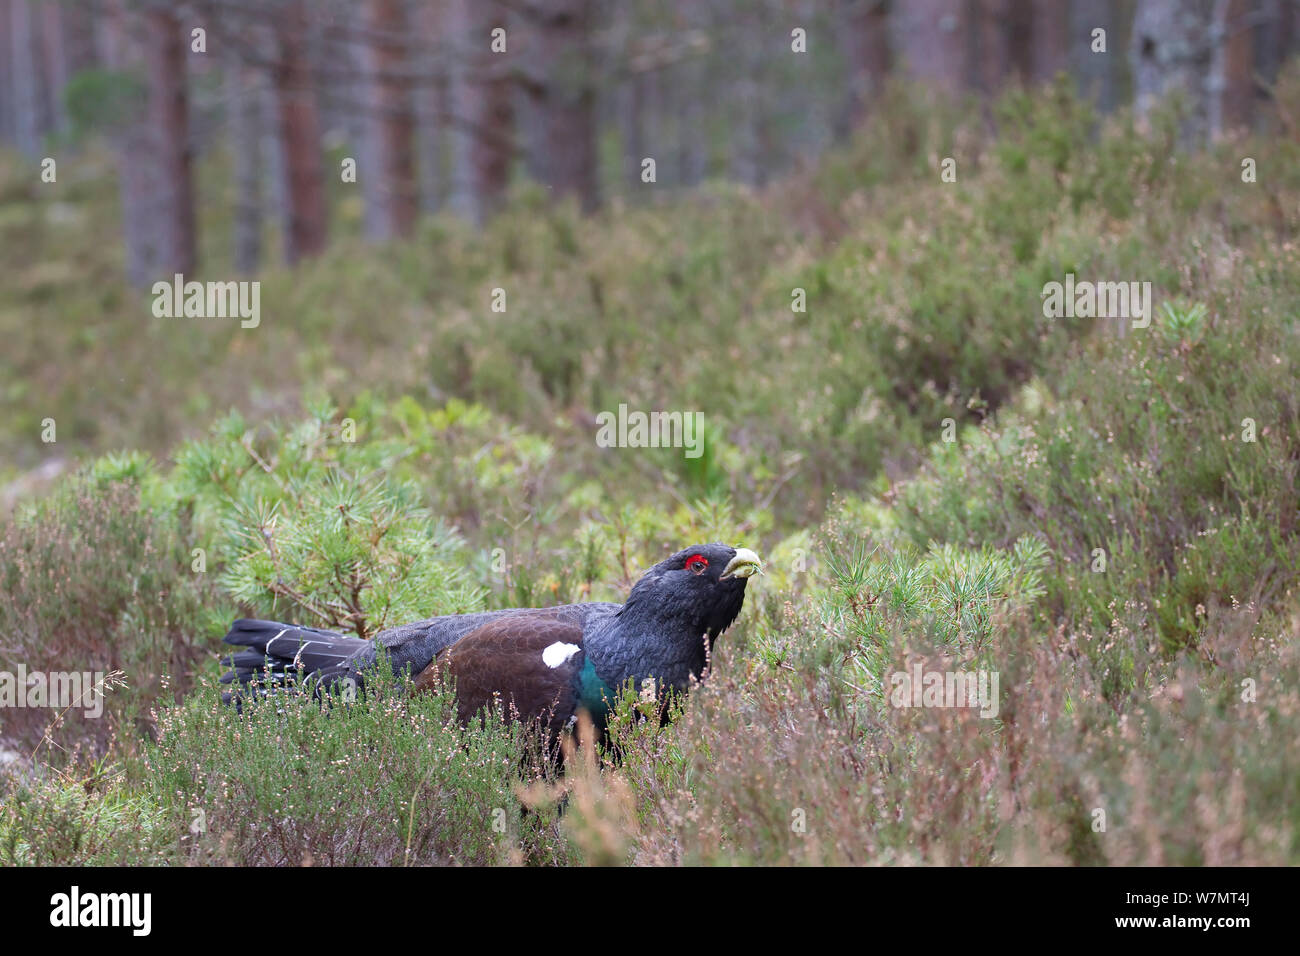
x=384, y=780
x=92, y=580
x=310, y=527
x=1137, y=478
x=96, y=821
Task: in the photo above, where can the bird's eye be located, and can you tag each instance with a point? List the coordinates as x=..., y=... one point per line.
x=696, y=563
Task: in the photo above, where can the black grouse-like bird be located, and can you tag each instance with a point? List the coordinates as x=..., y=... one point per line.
x=546, y=664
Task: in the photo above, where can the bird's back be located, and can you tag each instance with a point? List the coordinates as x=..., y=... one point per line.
x=415, y=645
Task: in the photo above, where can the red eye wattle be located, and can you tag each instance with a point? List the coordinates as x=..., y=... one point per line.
x=697, y=563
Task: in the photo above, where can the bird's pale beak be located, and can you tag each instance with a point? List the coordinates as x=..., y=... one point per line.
x=743, y=565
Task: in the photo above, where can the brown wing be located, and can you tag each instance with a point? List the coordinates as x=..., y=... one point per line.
x=531, y=660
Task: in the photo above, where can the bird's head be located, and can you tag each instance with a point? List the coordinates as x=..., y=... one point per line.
x=704, y=585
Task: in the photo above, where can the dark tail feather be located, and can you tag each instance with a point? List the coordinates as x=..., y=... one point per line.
x=278, y=652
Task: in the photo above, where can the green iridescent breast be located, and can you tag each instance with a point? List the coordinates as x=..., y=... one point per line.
x=594, y=694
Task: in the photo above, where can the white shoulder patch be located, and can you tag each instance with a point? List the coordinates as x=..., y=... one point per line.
x=558, y=653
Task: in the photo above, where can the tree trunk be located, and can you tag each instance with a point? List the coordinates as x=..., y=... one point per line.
x=243, y=110
x=1097, y=73
x=152, y=144
x=865, y=41
x=274, y=180
x=481, y=113
x=1232, y=85
x=1049, y=44
x=7, y=118
x=1274, y=37
x=120, y=52
x=691, y=122
x=932, y=39
x=751, y=141
x=993, y=56
x=389, y=184
x=304, y=172
x=169, y=121
x=462, y=106
x=430, y=104
x=57, y=66
x=29, y=122
x=562, y=96
x=1170, y=51
x=632, y=121
x=79, y=38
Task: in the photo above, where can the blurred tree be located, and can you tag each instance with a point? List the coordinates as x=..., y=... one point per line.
x=752, y=46
x=1231, y=80
x=1276, y=23
x=632, y=120
x=435, y=101
x=7, y=117
x=659, y=52
x=1097, y=73
x=389, y=184
x=932, y=39
x=243, y=110
x=169, y=125
x=865, y=40
x=1049, y=37
x=304, y=173
x=151, y=136
x=1170, y=51
x=54, y=53
x=24, y=77
x=557, y=74
x=693, y=73
x=430, y=102
x=482, y=117
x=991, y=51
